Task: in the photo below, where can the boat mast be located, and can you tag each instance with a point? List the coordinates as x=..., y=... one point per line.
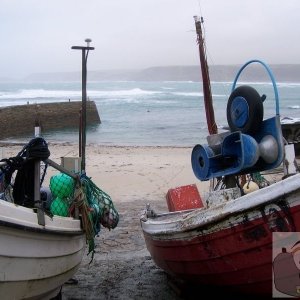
x=210, y=115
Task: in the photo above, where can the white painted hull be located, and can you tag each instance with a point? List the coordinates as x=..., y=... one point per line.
x=35, y=260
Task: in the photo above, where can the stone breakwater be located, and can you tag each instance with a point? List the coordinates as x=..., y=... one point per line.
x=16, y=121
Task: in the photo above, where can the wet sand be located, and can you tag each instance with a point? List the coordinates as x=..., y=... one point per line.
x=122, y=267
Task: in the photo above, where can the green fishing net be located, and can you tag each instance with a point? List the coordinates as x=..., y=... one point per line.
x=62, y=188
x=101, y=211
x=95, y=207
x=62, y=185
x=107, y=215
x=60, y=207
x=260, y=180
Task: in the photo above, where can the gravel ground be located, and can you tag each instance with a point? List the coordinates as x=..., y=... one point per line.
x=122, y=267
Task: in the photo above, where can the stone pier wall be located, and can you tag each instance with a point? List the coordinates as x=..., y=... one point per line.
x=16, y=121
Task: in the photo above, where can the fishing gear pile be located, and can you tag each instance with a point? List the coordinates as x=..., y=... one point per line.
x=95, y=207
x=65, y=197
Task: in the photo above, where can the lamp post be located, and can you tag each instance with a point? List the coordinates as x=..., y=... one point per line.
x=82, y=142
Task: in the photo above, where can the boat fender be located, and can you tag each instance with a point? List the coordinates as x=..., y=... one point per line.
x=59, y=207
x=250, y=187
x=62, y=185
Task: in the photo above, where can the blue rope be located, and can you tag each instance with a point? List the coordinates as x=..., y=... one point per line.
x=270, y=74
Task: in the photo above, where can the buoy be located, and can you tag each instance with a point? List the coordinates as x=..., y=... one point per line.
x=61, y=185
x=59, y=207
x=250, y=187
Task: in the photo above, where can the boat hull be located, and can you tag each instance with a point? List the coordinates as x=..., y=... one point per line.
x=291, y=132
x=234, y=250
x=35, y=260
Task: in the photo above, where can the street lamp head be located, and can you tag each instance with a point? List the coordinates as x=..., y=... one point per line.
x=88, y=41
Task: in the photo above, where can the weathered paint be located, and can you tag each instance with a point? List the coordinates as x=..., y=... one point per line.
x=229, y=244
x=185, y=221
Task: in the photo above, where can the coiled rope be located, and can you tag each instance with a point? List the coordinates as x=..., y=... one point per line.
x=23, y=163
x=80, y=202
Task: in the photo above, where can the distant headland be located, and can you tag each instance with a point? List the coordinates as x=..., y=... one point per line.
x=219, y=73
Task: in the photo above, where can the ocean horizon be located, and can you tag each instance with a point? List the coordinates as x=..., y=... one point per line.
x=135, y=113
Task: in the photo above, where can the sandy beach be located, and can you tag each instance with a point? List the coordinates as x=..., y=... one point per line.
x=133, y=176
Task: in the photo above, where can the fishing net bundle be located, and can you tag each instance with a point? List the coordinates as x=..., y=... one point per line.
x=66, y=196
x=102, y=203
x=96, y=208
x=93, y=205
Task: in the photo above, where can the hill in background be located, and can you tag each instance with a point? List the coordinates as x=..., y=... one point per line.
x=253, y=73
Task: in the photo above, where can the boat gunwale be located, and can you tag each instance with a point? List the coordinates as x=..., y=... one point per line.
x=189, y=220
x=40, y=230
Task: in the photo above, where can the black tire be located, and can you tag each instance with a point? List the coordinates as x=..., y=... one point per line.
x=250, y=116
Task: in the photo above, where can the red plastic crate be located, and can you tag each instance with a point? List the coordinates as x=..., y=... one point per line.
x=184, y=197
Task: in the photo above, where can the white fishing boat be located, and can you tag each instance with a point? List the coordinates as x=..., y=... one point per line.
x=36, y=260
x=44, y=231
x=39, y=251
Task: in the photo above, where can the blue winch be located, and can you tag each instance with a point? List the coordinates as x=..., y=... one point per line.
x=251, y=145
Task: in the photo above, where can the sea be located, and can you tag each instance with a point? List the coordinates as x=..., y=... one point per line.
x=157, y=113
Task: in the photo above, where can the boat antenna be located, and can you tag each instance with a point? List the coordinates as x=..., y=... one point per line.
x=210, y=115
x=82, y=136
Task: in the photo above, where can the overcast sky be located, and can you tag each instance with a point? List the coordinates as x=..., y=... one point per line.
x=37, y=35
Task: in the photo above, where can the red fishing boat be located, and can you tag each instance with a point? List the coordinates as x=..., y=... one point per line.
x=232, y=235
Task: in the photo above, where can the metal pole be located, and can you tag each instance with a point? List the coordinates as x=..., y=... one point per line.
x=83, y=110
x=80, y=132
x=82, y=138
x=61, y=168
x=37, y=189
